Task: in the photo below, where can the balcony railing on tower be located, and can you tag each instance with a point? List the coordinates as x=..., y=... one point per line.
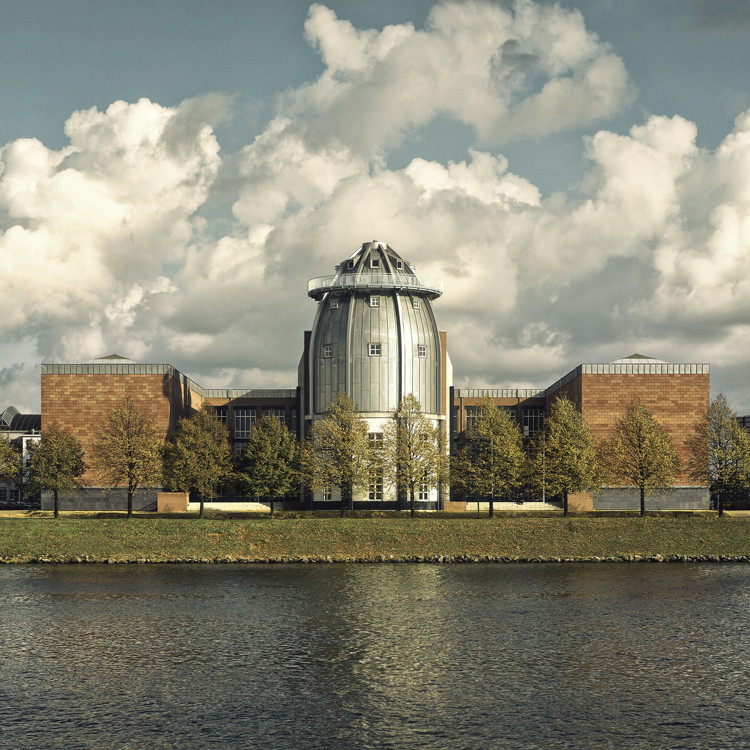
x=317, y=288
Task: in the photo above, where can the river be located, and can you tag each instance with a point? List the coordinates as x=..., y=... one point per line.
x=342, y=656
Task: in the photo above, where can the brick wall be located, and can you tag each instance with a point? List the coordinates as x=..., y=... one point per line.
x=677, y=401
x=80, y=403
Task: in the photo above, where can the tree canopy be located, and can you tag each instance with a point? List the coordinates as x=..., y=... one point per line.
x=640, y=452
x=199, y=457
x=490, y=458
x=336, y=453
x=565, y=452
x=270, y=462
x=127, y=450
x=55, y=464
x=720, y=452
x=413, y=450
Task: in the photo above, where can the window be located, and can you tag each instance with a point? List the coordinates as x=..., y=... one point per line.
x=399, y=265
x=244, y=416
x=278, y=413
x=374, y=262
x=374, y=301
x=220, y=412
x=510, y=411
x=327, y=493
x=373, y=350
x=375, y=488
x=424, y=488
x=327, y=350
x=533, y=420
x=472, y=416
x=351, y=264
x=334, y=304
x=415, y=303
x=376, y=440
x=421, y=350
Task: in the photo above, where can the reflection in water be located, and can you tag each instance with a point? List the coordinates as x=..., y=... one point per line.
x=366, y=656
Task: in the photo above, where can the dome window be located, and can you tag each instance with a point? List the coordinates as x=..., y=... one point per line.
x=373, y=350
x=421, y=350
x=415, y=303
x=334, y=304
x=328, y=350
x=399, y=265
x=374, y=262
x=374, y=301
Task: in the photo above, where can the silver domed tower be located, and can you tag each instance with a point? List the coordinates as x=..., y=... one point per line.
x=375, y=336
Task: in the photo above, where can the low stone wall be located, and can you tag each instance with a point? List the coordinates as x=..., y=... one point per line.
x=629, y=498
x=100, y=498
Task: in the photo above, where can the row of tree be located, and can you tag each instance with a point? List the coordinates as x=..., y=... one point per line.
x=409, y=455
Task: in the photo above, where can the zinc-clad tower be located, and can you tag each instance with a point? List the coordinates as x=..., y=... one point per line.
x=375, y=337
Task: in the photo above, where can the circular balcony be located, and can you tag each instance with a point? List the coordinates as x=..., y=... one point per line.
x=318, y=288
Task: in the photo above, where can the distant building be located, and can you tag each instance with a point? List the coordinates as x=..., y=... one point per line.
x=375, y=336
x=21, y=430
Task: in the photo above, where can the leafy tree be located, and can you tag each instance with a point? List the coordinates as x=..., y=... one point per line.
x=55, y=463
x=270, y=462
x=640, y=452
x=127, y=450
x=720, y=452
x=10, y=460
x=336, y=453
x=490, y=459
x=565, y=453
x=199, y=457
x=414, y=449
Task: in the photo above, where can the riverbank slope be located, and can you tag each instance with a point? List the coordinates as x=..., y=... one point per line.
x=148, y=539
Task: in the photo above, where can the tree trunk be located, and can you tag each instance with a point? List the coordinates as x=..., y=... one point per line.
x=720, y=503
x=565, y=502
x=56, y=505
x=200, y=511
x=130, y=503
x=411, y=501
x=492, y=506
x=643, y=501
x=270, y=499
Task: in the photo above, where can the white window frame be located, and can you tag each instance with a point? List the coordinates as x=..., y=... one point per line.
x=374, y=349
x=374, y=262
x=415, y=303
x=334, y=305
x=327, y=351
x=421, y=350
x=374, y=300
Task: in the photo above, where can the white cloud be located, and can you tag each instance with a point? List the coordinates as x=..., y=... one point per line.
x=103, y=247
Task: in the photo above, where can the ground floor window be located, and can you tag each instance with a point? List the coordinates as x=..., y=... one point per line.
x=375, y=489
x=533, y=420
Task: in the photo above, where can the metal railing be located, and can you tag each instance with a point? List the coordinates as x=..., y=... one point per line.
x=316, y=288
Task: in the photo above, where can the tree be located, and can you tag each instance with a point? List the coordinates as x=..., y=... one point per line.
x=10, y=460
x=199, y=457
x=565, y=452
x=270, y=462
x=413, y=449
x=491, y=458
x=336, y=454
x=55, y=463
x=720, y=452
x=127, y=450
x=640, y=452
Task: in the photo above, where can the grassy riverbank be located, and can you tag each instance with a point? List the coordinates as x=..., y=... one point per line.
x=309, y=539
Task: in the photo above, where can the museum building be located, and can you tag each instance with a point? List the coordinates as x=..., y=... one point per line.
x=375, y=337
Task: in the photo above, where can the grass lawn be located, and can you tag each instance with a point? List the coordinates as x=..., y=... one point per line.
x=160, y=539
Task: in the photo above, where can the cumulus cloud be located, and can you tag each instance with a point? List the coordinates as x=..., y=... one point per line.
x=107, y=245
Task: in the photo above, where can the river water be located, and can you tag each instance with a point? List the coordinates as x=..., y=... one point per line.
x=345, y=656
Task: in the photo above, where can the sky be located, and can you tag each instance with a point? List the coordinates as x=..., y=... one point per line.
x=173, y=172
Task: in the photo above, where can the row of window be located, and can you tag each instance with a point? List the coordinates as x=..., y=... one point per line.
x=375, y=263
x=374, y=302
x=245, y=416
x=532, y=418
x=374, y=349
